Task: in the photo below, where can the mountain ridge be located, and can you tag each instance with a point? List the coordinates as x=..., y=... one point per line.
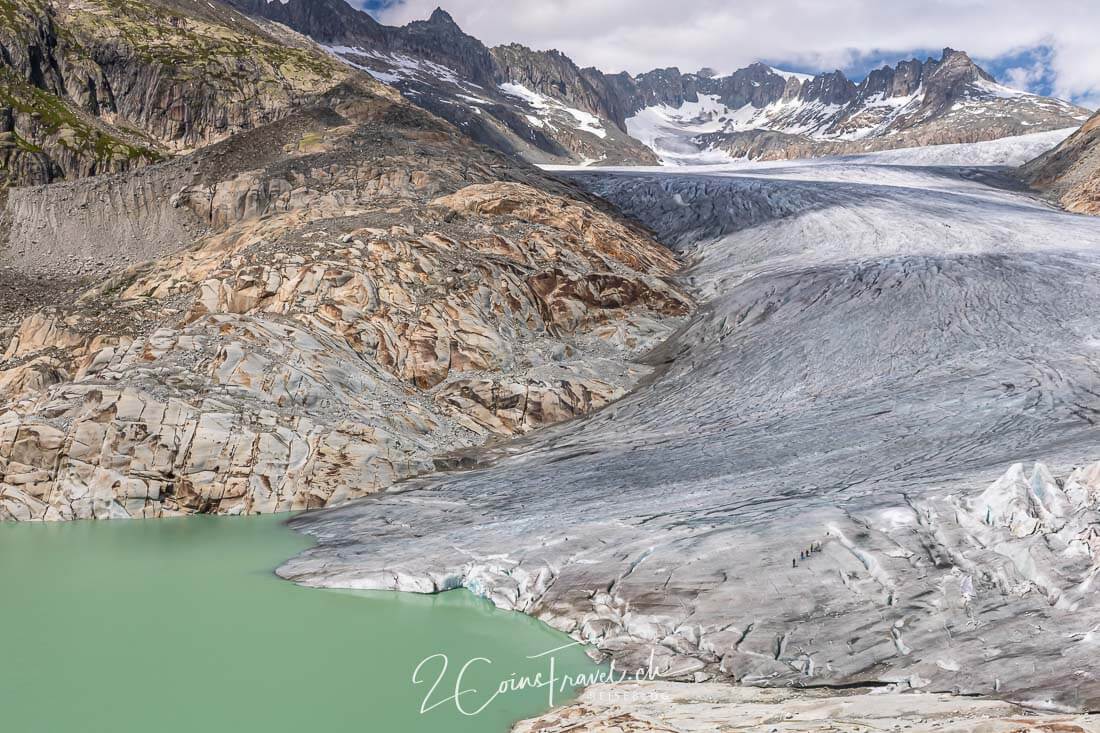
x=756, y=113
x=753, y=112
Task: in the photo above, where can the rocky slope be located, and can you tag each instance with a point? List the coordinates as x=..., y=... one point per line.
x=304, y=312
x=1070, y=173
x=99, y=86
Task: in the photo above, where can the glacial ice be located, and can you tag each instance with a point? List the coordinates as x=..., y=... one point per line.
x=820, y=485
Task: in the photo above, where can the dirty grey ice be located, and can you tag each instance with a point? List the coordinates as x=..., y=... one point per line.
x=829, y=480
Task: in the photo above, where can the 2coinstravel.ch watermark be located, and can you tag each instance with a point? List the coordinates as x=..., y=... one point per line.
x=470, y=701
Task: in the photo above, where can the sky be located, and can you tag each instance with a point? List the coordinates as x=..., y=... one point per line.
x=1048, y=47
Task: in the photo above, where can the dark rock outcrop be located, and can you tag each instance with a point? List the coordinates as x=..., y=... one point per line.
x=757, y=85
x=664, y=86
x=89, y=89
x=831, y=88
x=440, y=40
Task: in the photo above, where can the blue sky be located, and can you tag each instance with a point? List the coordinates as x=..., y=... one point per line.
x=1049, y=48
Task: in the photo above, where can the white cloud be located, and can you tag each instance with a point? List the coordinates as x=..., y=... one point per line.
x=638, y=35
x=1022, y=77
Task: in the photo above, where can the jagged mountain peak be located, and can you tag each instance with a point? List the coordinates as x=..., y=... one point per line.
x=440, y=16
x=759, y=67
x=959, y=64
x=832, y=88
x=962, y=57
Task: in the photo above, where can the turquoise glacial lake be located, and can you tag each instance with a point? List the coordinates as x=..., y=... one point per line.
x=180, y=625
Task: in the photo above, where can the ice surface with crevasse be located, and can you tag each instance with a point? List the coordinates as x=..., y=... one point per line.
x=825, y=484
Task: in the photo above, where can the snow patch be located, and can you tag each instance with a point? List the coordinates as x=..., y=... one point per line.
x=788, y=75
x=395, y=67
x=548, y=107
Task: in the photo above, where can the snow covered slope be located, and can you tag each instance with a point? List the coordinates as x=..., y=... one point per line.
x=818, y=489
x=549, y=112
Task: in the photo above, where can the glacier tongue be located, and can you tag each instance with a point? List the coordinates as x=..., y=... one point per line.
x=809, y=492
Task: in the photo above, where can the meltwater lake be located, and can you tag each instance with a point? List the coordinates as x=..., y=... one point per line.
x=180, y=625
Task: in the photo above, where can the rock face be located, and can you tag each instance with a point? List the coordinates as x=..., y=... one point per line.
x=304, y=313
x=818, y=488
x=1070, y=173
x=667, y=707
x=323, y=20
x=441, y=40
x=86, y=89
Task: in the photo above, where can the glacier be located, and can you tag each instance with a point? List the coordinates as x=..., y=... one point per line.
x=824, y=484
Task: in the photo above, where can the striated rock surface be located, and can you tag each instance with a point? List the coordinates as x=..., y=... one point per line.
x=342, y=329
x=667, y=707
x=1070, y=173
